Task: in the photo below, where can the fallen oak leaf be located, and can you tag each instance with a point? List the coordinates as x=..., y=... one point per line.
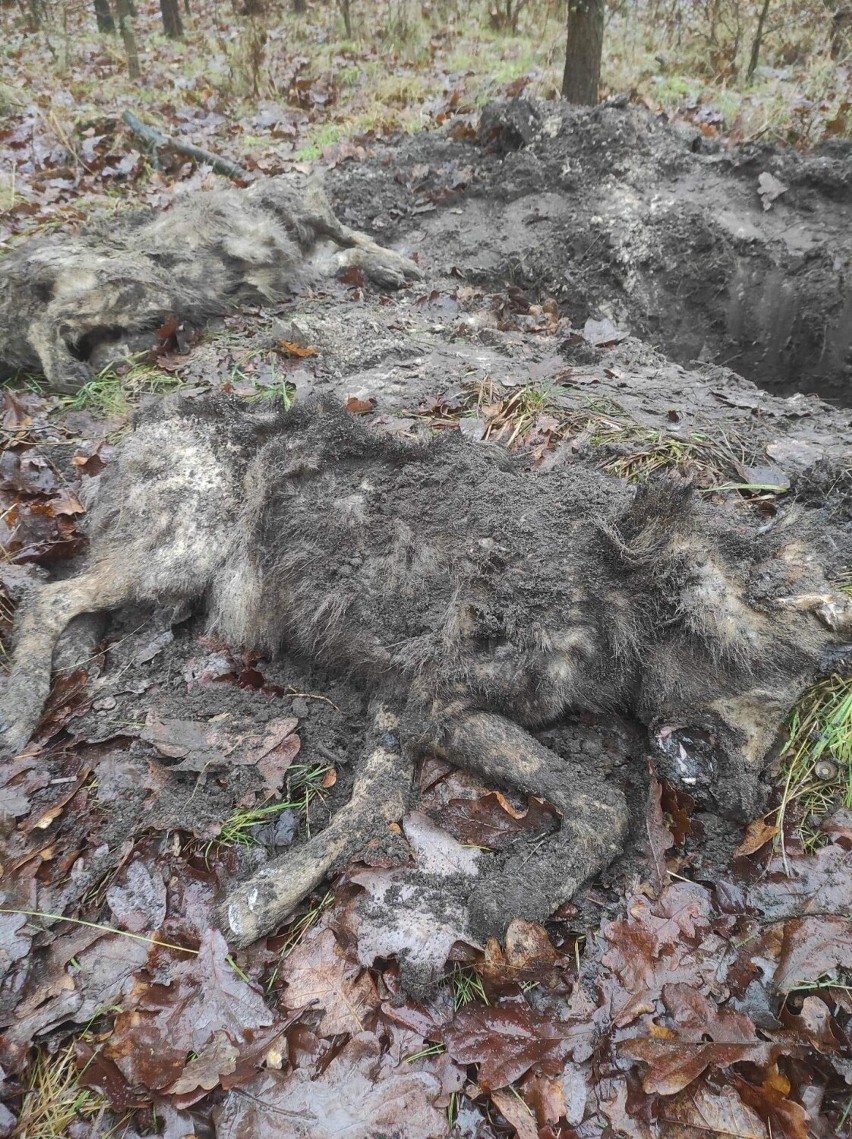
x=506, y=1040
x=491, y=820
x=217, y=1058
x=701, y=1036
x=528, y=955
x=318, y=972
x=810, y=948
x=356, y=406
x=704, y=1111
x=513, y=1109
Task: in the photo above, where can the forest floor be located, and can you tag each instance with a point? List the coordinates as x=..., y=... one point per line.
x=590, y=278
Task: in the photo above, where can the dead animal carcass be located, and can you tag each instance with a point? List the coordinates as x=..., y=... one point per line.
x=63, y=298
x=474, y=599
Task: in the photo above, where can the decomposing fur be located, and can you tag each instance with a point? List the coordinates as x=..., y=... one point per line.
x=63, y=298
x=474, y=599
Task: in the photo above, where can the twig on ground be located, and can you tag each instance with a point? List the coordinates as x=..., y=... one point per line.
x=159, y=140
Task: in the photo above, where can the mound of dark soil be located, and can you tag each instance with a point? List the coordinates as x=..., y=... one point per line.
x=741, y=258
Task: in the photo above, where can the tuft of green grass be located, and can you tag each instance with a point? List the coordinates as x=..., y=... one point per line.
x=109, y=394
x=817, y=755
x=304, y=784
x=466, y=986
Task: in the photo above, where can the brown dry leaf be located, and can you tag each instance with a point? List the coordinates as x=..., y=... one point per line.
x=15, y=413
x=14, y=942
x=811, y=947
x=19, y=780
x=547, y=1096
x=317, y=971
x=216, y=1059
x=493, y=822
x=198, y=744
x=178, y=1009
x=66, y=502
x=138, y=904
x=812, y=1024
x=528, y=956
x=660, y=838
x=356, y=406
x=505, y=1040
x=784, y=1117
x=513, y=1108
x=818, y=883
x=409, y=915
x=757, y=835
x=27, y=472
x=702, y=1036
x=361, y=1094
x=102, y=976
x=655, y=945
x=704, y=1111
x=297, y=350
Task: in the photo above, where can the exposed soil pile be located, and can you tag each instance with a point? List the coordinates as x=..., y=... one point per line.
x=689, y=991
x=740, y=257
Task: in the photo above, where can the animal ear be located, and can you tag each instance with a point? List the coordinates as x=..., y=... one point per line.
x=644, y=531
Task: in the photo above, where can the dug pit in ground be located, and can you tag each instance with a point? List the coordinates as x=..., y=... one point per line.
x=472, y=599
x=739, y=256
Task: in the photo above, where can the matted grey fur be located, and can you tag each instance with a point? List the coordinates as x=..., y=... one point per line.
x=473, y=599
x=64, y=296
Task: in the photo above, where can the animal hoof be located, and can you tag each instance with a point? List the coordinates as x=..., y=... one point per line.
x=391, y=270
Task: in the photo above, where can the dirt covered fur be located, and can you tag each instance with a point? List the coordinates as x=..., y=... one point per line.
x=63, y=298
x=473, y=598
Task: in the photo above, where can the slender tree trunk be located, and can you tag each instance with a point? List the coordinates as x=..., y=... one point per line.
x=38, y=13
x=103, y=14
x=172, y=26
x=125, y=25
x=756, y=42
x=584, y=48
x=346, y=8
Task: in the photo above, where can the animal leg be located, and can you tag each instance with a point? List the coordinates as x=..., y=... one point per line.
x=379, y=796
x=383, y=266
x=43, y=617
x=538, y=879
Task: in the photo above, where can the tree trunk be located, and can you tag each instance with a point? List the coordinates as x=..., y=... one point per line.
x=125, y=25
x=758, y=39
x=346, y=8
x=300, y=7
x=172, y=25
x=103, y=14
x=584, y=48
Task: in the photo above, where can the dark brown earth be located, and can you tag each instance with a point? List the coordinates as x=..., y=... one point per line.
x=616, y=214
x=612, y=216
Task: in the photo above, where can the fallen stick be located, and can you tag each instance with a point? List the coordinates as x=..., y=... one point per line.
x=159, y=140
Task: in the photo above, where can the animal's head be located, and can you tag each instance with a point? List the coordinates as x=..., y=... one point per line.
x=735, y=624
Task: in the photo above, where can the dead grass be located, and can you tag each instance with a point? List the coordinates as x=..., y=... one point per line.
x=535, y=418
x=54, y=1099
